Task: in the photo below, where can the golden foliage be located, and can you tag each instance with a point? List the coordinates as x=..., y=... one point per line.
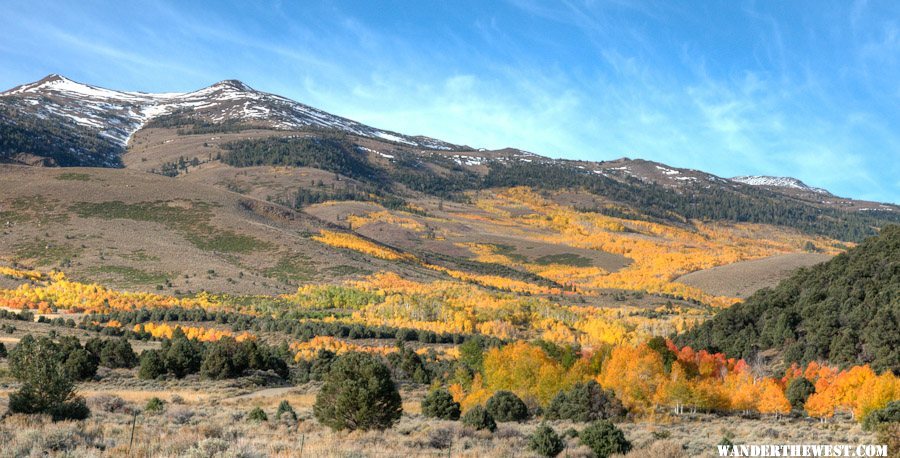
x=357, y=243
x=203, y=334
x=659, y=253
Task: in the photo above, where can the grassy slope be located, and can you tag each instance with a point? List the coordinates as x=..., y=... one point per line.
x=137, y=230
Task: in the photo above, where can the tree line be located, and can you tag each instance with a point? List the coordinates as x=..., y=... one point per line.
x=845, y=311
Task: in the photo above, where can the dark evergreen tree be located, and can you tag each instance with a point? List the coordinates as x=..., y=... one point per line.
x=358, y=393
x=585, y=402
x=798, y=391
x=479, y=418
x=182, y=355
x=153, y=365
x=117, y=353
x=439, y=404
x=46, y=385
x=604, y=439
x=545, y=442
x=80, y=364
x=506, y=406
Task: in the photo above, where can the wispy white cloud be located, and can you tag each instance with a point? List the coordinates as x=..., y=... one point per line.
x=760, y=90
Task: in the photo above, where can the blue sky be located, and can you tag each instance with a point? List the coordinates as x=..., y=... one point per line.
x=804, y=89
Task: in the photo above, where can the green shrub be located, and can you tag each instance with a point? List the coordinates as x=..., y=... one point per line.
x=440, y=404
x=80, y=364
x=585, y=402
x=46, y=385
x=506, y=406
x=479, y=418
x=798, y=391
x=285, y=410
x=888, y=414
x=321, y=365
x=257, y=414
x=182, y=356
x=604, y=439
x=546, y=442
x=471, y=352
x=154, y=405
x=219, y=361
x=358, y=393
x=117, y=353
x=152, y=365
x=2, y=350
x=407, y=365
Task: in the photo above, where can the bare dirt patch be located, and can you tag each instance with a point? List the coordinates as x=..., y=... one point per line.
x=742, y=279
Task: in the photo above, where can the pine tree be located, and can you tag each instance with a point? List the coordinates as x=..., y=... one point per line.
x=358, y=393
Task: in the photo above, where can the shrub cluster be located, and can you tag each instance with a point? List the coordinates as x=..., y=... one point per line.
x=585, y=402
x=887, y=414
x=222, y=359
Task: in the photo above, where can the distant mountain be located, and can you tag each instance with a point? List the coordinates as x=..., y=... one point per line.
x=845, y=311
x=778, y=182
x=60, y=122
x=72, y=111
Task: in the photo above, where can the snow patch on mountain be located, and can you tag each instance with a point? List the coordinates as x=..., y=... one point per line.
x=119, y=114
x=778, y=182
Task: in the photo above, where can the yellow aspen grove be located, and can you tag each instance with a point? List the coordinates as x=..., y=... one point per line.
x=772, y=399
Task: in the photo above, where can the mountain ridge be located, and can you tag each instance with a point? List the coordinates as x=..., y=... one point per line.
x=226, y=99
x=57, y=121
x=154, y=105
x=778, y=182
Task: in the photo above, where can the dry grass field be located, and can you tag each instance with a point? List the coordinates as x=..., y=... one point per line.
x=742, y=279
x=148, y=232
x=206, y=418
x=202, y=421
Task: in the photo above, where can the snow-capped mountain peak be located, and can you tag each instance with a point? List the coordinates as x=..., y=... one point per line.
x=117, y=115
x=778, y=182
